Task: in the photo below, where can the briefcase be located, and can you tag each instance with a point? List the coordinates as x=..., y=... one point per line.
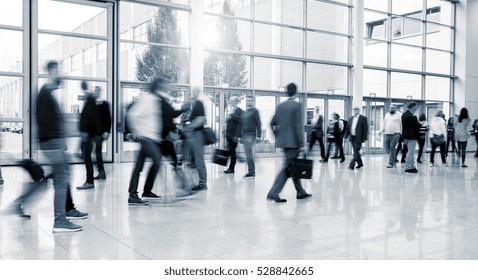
x=300, y=168
x=220, y=157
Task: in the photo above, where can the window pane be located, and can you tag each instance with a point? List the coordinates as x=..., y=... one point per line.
x=375, y=25
x=239, y=8
x=11, y=97
x=439, y=37
x=12, y=140
x=400, y=7
x=378, y=5
x=438, y=62
x=267, y=108
x=274, y=73
x=70, y=17
x=406, y=85
x=375, y=53
x=404, y=57
x=327, y=79
x=283, y=11
x=226, y=70
x=136, y=63
x=154, y=24
x=329, y=17
x=437, y=88
x=227, y=33
x=374, y=83
x=11, y=51
x=11, y=13
x=278, y=40
x=71, y=52
x=440, y=11
x=327, y=47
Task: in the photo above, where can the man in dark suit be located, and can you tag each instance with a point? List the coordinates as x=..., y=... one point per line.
x=287, y=125
x=358, y=132
x=410, y=134
x=317, y=133
x=233, y=131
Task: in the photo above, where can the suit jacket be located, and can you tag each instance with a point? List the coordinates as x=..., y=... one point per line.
x=361, y=131
x=410, y=126
x=319, y=127
x=288, y=124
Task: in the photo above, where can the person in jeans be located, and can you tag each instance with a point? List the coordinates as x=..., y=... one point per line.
x=195, y=138
x=317, y=133
x=438, y=132
x=251, y=133
x=450, y=137
x=104, y=120
x=287, y=124
x=410, y=134
x=233, y=132
x=145, y=119
x=391, y=127
x=334, y=137
x=462, y=127
x=89, y=129
x=422, y=136
x=51, y=137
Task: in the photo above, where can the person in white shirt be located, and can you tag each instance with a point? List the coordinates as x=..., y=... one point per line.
x=391, y=127
x=438, y=132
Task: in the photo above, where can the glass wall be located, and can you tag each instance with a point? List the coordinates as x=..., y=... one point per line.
x=413, y=41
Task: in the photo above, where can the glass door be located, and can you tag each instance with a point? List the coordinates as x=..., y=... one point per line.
x=374, y=110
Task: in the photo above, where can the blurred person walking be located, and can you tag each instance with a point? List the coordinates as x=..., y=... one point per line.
x=317, y=133
x=475, y=132
x=462, y=128
x=450, y=137
x=391, y=127
x=251, y=134
x=233, y=131
x=287, y=124
x=438, y=133
x=358, y=133
x=104, y=121
x=422, y=136
x=51, y=137
x=410, y=134
x=89, y=129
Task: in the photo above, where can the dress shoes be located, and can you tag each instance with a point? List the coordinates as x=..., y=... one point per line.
x=413, y=170
x=228, y=171
x=277, y=199
x=359, y=166
x=302, y=196
x=334, y=157
x=351, y=167
x=342, y=159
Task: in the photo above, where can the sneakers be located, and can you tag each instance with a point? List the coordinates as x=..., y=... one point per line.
x=150, y=195
x=390, y=166
x=199, y=188
x=66, y=226
x=76, y=215
x=86, y=186
x=432, y=164
x=445, y=164
x=135, y=200
x=101, y=176
x=228, y=171
x=413, y=170
x=464, y=165
x=249, y=175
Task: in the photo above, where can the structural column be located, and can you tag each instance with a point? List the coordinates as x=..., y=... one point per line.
x=357, y=72
x=197, y=43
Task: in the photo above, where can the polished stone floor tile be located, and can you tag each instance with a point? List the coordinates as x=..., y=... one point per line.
x=372, y=213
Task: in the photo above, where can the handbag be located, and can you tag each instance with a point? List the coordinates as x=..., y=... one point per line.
x=300, y=168
x=221, y=157
x=209, y=136
x=438, y=139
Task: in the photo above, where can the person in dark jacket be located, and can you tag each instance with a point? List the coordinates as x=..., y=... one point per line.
x=450, y=137
x=317, y=133
x=233, y=131
x=422, y=136
x=251, y=133
x=358, y=133
x=104, y=121
x=410, y=134
x=334, y=137
x=89, y=129
x=51, y=137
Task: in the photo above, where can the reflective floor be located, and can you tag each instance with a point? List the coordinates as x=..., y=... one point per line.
x=370, y=213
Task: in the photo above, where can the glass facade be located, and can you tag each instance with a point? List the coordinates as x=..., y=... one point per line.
x=252, y=48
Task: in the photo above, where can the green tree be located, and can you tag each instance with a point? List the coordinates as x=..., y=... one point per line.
x=226, y=68
x=158, y=60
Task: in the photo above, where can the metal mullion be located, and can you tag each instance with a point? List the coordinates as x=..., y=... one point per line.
x=73, y=34
x=424, y=55
x=11, y=27
x=410, y=72
x=304, y=52
x=335, y=3
x=376, y=11
x=154, y=44
x=157, y=3
x=96, y=3
x=12, y=74
x=75, y=78
x=26, y=96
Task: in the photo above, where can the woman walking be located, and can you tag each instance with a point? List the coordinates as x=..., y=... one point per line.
x=462, y=128
x=438, y=134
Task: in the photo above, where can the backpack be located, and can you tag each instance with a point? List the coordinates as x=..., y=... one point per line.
x=346, y=126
